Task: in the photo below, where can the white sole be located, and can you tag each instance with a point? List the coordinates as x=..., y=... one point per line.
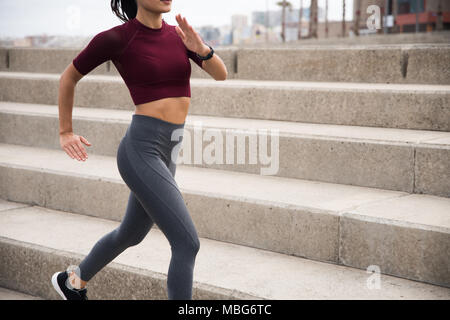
x=56, y=286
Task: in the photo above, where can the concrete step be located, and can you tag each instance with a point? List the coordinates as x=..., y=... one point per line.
x=39, y=241
x=6, y=294
x=414, y=161
x=405, y=235
x=421, y=63
x=405, y=106
x=405, y=63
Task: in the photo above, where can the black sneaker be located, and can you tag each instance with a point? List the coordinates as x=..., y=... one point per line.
x=59, y=283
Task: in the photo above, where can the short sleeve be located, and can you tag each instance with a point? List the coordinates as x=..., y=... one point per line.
x=103, y=47
x=193, y=56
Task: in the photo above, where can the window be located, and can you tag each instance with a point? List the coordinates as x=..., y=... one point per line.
x=410, y=6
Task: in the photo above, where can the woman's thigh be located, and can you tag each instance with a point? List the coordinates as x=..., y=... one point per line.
x=154, y=186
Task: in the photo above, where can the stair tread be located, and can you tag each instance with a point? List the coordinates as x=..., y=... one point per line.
x=286, y=128
x=358, y=202
x=251, y=83
x=7, y=294
x=219, y=264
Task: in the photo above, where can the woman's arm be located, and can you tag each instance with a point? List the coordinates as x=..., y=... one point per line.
x=102, y=47
x=194, y=43
x=214, y=66
x=67, y=83
x=69, y=142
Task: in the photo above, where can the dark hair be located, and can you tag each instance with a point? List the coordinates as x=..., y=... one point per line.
x=124, y=9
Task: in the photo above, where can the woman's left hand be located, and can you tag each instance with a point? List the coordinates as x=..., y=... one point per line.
x=190, y=37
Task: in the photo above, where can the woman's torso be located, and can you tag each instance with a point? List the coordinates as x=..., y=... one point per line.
x=154, y=63
x=172, y=109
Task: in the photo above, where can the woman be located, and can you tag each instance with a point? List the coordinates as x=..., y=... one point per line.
x=152, y=57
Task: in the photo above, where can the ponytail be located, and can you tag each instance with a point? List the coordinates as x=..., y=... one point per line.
x=124, y=9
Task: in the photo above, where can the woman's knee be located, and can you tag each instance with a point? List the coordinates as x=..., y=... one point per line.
x=135, y=240
x=195, y=246
x=189, y=248
x=128, y=239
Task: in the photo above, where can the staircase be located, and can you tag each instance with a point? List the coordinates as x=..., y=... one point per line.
x=362, y=186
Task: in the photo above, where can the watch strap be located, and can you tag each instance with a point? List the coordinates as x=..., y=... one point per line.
x=208, y=56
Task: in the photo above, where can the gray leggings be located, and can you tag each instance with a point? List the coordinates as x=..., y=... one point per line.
x=145, y=159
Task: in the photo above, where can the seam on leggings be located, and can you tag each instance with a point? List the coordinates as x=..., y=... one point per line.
x=147, y=165
x=143, y=182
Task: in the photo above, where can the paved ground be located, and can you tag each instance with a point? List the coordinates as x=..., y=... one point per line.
x=6, y=294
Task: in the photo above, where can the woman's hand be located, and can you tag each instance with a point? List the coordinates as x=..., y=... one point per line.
x=190, y=37
x=71, y=144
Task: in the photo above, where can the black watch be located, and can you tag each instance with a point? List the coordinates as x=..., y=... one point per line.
x=208, y=56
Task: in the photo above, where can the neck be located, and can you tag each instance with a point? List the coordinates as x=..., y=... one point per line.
x=150, y=19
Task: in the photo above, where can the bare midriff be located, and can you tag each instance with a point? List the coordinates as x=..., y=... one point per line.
x=172, y=109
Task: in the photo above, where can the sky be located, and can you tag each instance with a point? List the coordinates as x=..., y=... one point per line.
x=87, y=17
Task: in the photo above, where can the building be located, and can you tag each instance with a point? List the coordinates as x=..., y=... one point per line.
x=238, y=21
x=240, y=30
x=210, y=34
x=272, y=20
x=432, y=15
x=334, y=29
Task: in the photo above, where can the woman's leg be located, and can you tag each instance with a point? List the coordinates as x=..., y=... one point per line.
x=153, y=183
x=132, y=230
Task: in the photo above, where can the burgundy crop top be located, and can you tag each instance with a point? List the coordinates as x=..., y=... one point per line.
x=154, y=63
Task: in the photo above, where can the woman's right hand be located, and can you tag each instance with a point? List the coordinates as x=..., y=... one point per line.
x=71, y=144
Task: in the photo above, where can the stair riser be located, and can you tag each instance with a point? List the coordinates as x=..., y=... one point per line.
x=28, y=268
x=381, y=65
x=364, y=64
x=402, y=251
x=417, y=110
x=426, y=111
x=400, y=167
